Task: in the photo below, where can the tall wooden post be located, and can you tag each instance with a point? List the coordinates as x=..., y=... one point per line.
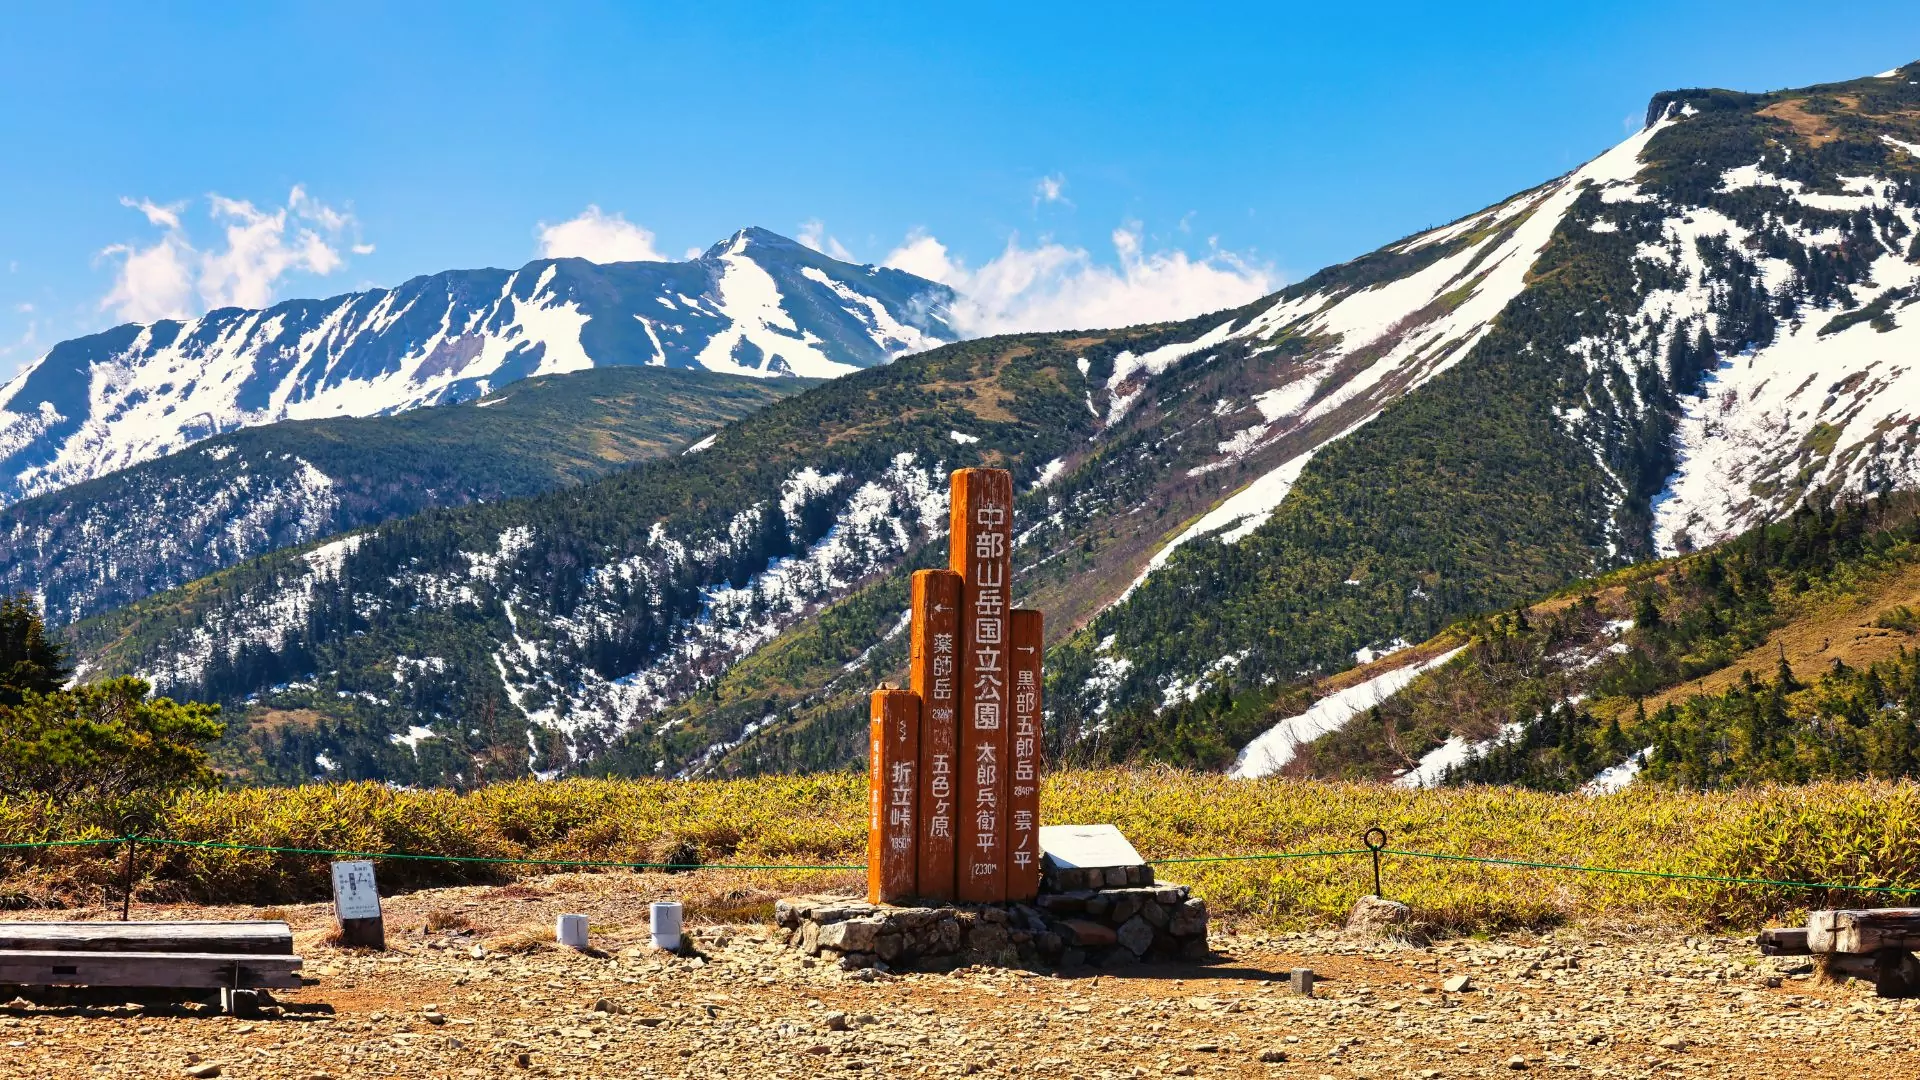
x=981, y=551
x=933, y=672
x=1023, y=784
x=892, y=792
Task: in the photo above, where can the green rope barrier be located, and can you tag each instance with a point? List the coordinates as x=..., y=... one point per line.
x=1251, y=858
x=66, y=843
x=488, y=859
x=1528, y=864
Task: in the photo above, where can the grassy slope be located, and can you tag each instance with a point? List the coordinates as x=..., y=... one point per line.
x=1844, y=833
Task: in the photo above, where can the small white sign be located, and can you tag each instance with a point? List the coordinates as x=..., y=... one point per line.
x=354, y=895
x=1085, y=847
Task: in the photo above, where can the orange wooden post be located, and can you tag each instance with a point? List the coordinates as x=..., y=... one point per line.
x=933, y=672
x=892, y=790
x=981, y=550
x=1023, y=785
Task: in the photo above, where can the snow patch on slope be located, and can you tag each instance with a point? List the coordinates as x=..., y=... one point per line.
x=1272, y=749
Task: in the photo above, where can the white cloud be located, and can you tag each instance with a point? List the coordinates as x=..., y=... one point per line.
x=1051, y=189
x=172, y=278
x=154, y=282
x=259, y=252
x=597, y=237
x=1055, y=287
x=813, y=233
x=164, y=217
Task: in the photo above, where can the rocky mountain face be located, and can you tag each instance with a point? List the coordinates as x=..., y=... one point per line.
x=109, y=541
x=1696, y=330
x=754, y=304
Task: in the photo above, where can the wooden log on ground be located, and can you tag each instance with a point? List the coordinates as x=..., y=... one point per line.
x=244, y=938
x=1893, y=972
x=174, y=970
x=1863, y=930
x=1784, y=941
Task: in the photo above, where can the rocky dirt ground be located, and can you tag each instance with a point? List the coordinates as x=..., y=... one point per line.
x=482, y=995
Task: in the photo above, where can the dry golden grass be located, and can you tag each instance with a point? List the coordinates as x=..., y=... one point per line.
x=445, y=919
x=1815, y=128
x=1852, y=833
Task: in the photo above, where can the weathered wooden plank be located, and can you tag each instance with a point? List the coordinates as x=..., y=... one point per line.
x=1894, y=972
x=204, y=971
x=249, y=938
x=1784, y=941
x=1863, y=930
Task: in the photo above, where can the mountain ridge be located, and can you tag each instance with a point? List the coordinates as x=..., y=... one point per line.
x=756, y=304
x=1212, y=511
x=108, y=541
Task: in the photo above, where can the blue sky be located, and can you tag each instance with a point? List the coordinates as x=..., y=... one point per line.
x=1072, y=162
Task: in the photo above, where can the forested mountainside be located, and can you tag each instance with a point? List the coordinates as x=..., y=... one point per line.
x=109, y=541
x=1789, y=654
x=1213, y=513
x=1720, y=325
x=754, y=304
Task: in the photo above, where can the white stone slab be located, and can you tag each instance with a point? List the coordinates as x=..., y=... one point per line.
x=1085, y=847
x=354, y=894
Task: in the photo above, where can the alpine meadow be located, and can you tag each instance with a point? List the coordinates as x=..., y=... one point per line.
x=1011, y=624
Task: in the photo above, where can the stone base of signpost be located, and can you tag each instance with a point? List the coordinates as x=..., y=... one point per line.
x=1107, y=926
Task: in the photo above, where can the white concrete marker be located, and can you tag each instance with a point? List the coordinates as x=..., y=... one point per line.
x=666, y=925
x=571, y=931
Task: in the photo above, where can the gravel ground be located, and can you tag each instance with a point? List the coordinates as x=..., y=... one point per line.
x=489, y=998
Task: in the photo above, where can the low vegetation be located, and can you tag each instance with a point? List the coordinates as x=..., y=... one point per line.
x=1677, y=655
x=1859, y=833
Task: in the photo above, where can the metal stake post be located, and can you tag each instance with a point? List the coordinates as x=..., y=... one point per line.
x=1374, y=846
x=126, y=891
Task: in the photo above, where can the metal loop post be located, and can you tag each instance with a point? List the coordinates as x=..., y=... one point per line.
x=1375, y=846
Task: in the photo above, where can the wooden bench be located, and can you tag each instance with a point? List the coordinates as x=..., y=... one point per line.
x=1860, y=943
x=225, y=956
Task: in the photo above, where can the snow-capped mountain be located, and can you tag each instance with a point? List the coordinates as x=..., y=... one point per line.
x=1693, y=333
x=754, y=304
x=1703, y=325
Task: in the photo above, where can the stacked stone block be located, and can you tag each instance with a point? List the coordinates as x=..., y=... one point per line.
x=1107, y=926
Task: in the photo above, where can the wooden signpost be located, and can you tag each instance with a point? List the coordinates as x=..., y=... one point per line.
x=934, y=674
x=893, y=791
x=954, y=761
x=981, y=550
x=356, y=903
x=1023, y=762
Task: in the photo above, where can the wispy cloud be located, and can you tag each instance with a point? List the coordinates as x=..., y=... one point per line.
x=599, y=237
x=1051, y=189
x=1052, y=286
x=813, y=233
x=173, y=277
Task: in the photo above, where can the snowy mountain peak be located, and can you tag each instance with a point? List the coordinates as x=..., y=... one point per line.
x=755, y=304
